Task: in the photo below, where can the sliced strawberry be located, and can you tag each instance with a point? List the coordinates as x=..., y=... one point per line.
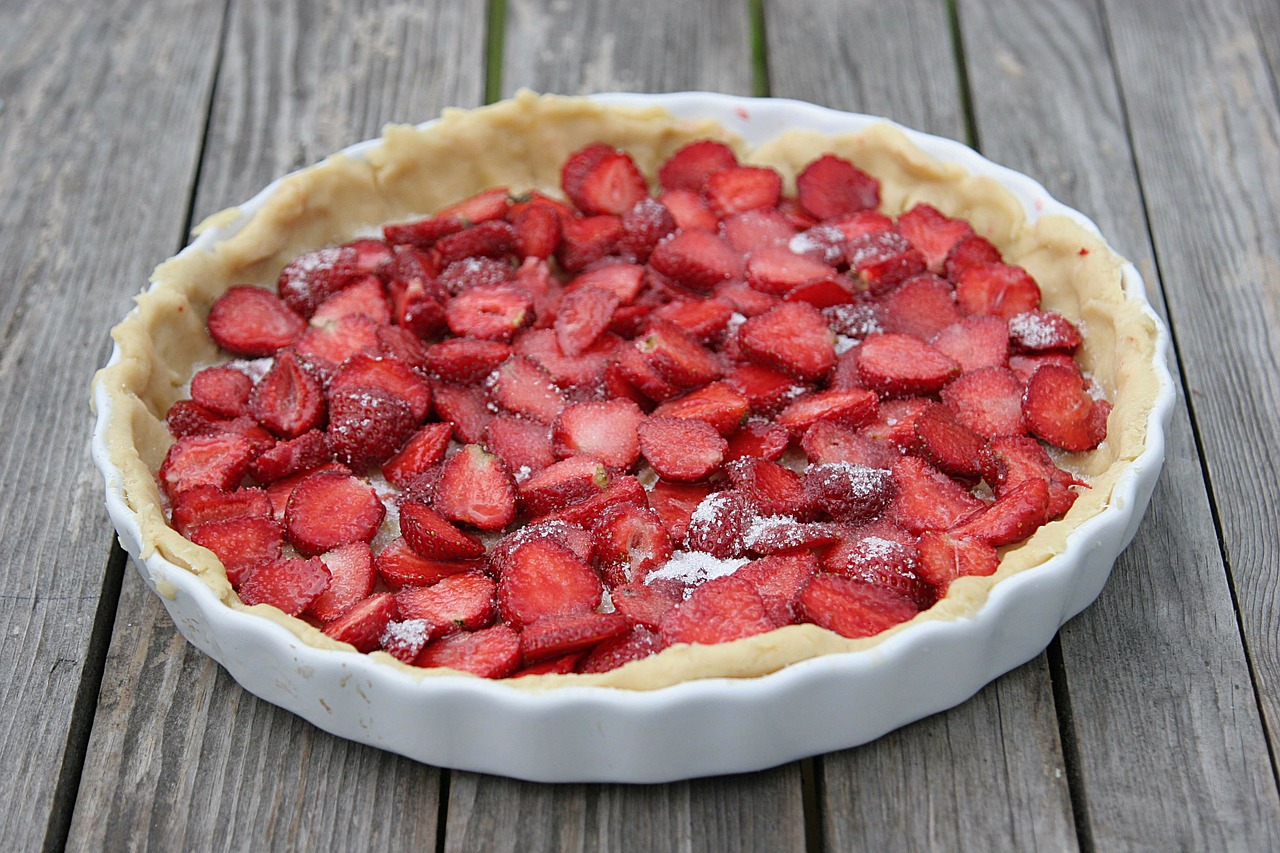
x=895, y=425
x=364, y=624
x=423, y=233
x=718, y=524
x=689, y=168
x=779, y=578
x=311, y=278
x=597, y=177
x=778, y=533
x=543, y=578
x=587, y=239
x=927, y=499
x=280, y=490
x=586, y=370
x=829, y=187
x=476, y=488
x=472, y=273
x=351, y=578
x=689, y=210
x=1014, y=516
x=851, y=408
x=524, y=445
x=329, y=509
x=717, y=404
x=253, y=322
x=567, y=482
x=777, y=269
x=853, y=608
x=603, y=430
x=846, y=377
x=623, y=280
x=1011, y=460
x=681, y=449
x=288, y=400
x=902, y=366
x=463, y=601
x=943, y=558
x=622, y=490
x=399, y=565
x=328, y=343
x=744, y=299
x=367, y=426
x=847, y=492
x=559, y=665
x=485, y=205
x=696, y=259
x=1025, y=366
x=823, y=292
x=766, y=389
x=997, y=290
x=758, y=438
x=640, y=642
x=975, y=342
x=643, y=604
x=424, y=450
x=922, y=306
x=861, y=223
x=770, y=488
x=987, y=401
x=1037, y=331
x=629, y=541
x=675, y=503
x=719, y=611
x=294, y=456
x=633, y=372
x=288, y=584
x=367, y=297
x=523, y=388
x=537, y=230
x=827, y=243
x=490, y=313
x=491, y=239
x=884, y=556
x=388, y=374
x=570, y=535
x=584, y=314
x=757, y=229
x=417, y=309
x=704, y=319
x=431, y=535
x=553, y=636
x=242, y=544
x=489, y=653
x=826, y=442
x=968, y=252
x=186, y=417
x=932, y=233
x=793, y=338
x=949, y=446
x=222, y=390
x=466, y=407
x=883, y=260
x=219, y=460
x=404, y=639
x=738, y=189
x=1057, y=408
x=676, y=356
x=203, y=504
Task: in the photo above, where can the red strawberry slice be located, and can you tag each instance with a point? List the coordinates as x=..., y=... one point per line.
x=922, y=306
x=975, y=342
x=424, y=450
x=718, y=404
x=367, y=297
x=1057, y=408
x=1014, y=516
x=997, y=290
x=329, y=509
x=328, y=343
x=689, y=168
x=552, y=666
x=186, y=417
x=431, y=535
x=219, y=460
x=395, y=377
x=738, y=189
x=563, y=484
x=758, y=438
x=351, y=577
x=1040, y=331
x=399, y=565
x=464, y=360
x=404, y=639
x=585, y=371
x=364, y=624
x=826, y=442
x=367, y=426
x=417, y=308
x=830, y=186
x=629, y=541
x=776, y=534
x=697, y=260
x=927, y=499
x=242, y=544
x=717, y=526
x=587, y=239
x=632, y=375
x=638, y=643
x=675, y=504
x=823, y=292
x=777, y=270
x=969, y=252
x=744, y=299
x=294, y=456
x=462, y=601
x=853, y=608
x=423, y=233
x=311, y=278
x=491, y=239
x=537, y=230
x=895, y=425
x=757, y=229
x=847, y=407
x=943, y=558
x=280, y=490
x=793, y=338
x=584, y=314
x=253, y=322
x=622, y=490
x=949, y=446
x=525, y=446
x=489, y=653
x=602, y=180
x=1011, y=460
x=987, y=401
x=765, y=389
x=704, y=319
x=222, y=390
x=554, y=636
x=643, y=604
x=884, y=556
x=491, y=313
x=827, y=243
x=523, y=388
x=719, y=611
x=1025, y=366
x=903, y=366
x=605, y=430
x=689, y=210
x=932, y=233
x=770, y=488
x=883, y=260
x=623, y=280
x=476, y=488
x=465, y=407
x=847, y=492
x=644, y=225
x=288, y=400
x=471, y=273
x=779, y=578
x=570, y=535
x=288, y=584
x=861, y=223
x=681, y=449
x=202, y=504
x=542, y=578
x=485, y=205
x=676, y=357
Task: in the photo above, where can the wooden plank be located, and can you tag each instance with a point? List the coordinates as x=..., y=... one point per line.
x=180, y=754
x=1195, y=774
x=89, y=198
x=989, y=773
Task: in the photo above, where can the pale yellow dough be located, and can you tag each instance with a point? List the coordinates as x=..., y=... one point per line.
x=520, y=144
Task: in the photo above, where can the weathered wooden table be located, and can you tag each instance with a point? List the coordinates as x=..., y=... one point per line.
x=1151, y=722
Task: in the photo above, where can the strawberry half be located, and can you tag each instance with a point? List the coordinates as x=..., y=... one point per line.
x=689, y=168
x=351, y=578
x=202, y=504
x=222, y=390
x=242, y=544
x=288, y=584
x=563, y=484
x=847, y=407
x=681, y=449
x=1014, y=516
x=288, y=400
x=738, y=189
x=387, y=374
x=987, y=401
x=997, y=290
x=219, y=460
x=463, y=601
x=676, y=357
x=793, y=338
x=853, y=608
x=399, y=565
x=431, y=535
x=364, y=624
x=696, y=259
x=719, y=611
x=605, y=430
x=903, y=366
x=922, y=306
x=253, y=322
x=830, y=187
x=329, y=509
x=543, y=578
x=476, y=488
x=770, y=488
x=932, y=233
x=583, y=315
x=1057, y=408
x=424, y=450
x=927, y=499
x=524, y=445
x=1012, y=459
x=553, y=636
x=464, y=360
x=489, y=653
x=601, y=180
x=491, y=313
x=947, y=445
x=943, y=558
x=523, y=388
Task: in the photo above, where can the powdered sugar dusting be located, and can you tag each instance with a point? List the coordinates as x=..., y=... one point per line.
x=767, y=527
x=1034, y=329
x=411, y=633
x=844, y=343
x=695, y=567
x=254, y=368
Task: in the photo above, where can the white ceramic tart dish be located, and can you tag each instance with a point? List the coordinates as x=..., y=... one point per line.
x=688, y=711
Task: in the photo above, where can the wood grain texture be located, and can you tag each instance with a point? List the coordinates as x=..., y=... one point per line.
x=1206, y=131
x=626, y=46
x=179, y=753
x=88, y=201
x=1196, y=774
x=989, y=773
